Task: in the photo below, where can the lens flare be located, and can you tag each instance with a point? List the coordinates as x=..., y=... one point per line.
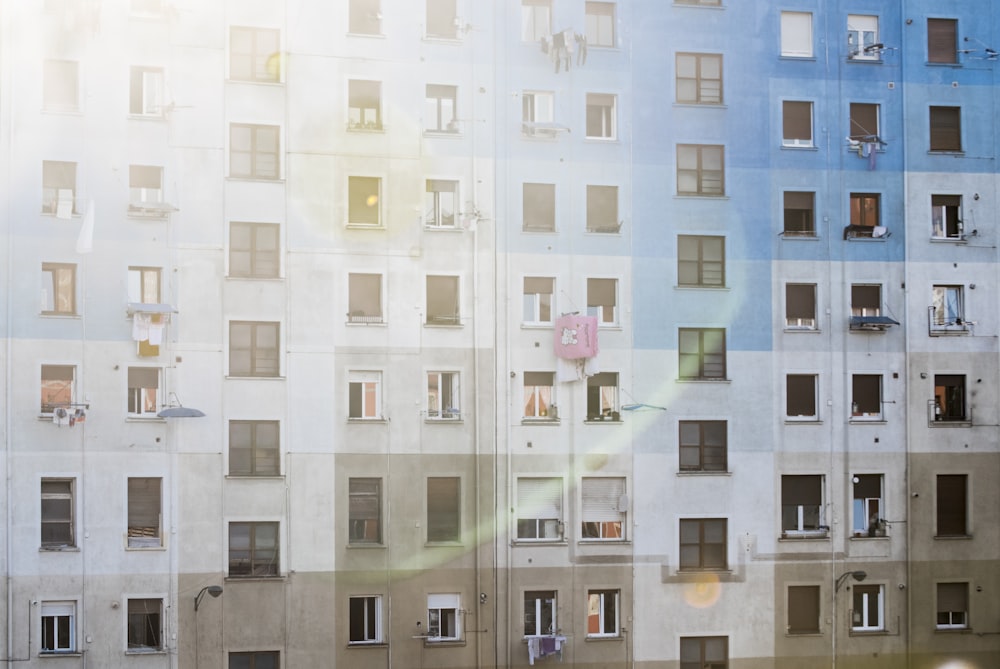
x=704, y=592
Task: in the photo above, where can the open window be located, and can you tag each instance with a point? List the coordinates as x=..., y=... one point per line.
x=443, y=396
x=365, y=619
x=800, y=306
x=143, y=392
x=442, y=301
x=444, y=619
x=365, y=511
x=364, y=105
x=146, y=91
x=602, y=397
x=364, y=302
x=947, y=312
x=946, y=217
x=603, y=613
x=867, y=607
x=803, y=513
x=865, y=217
x=145, y=625
x=602, y=122
x=440, y=203
x=949, y=398
x=797, y=123
x=254, y=448
x=539, y=509
x=364, y=389
x=58, y=289
x=144, y=285
x=703, y=544
x=537, y=114
x=253, y=549
x=145, y=512
x=58, y=383
x=868, y=507
x=603, y=507
x=538, y=207
x=602, y=300
x=866, y=397
x=862, y=37
x=440, y=105
x=799, y=214
x=537, y=300
x=539, y=390
x=540, y=613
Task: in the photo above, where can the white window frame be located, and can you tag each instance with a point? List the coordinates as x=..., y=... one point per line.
x=539, y=508
x=862, y=36
x=62, y=613
x=439, y=386
x=537, y=107
x=256, y=150
x=69, y=523
x=861, y=620
x=606, y=314
x=943, y=226
x=606, y=106
x=800, y=322
x=597, y=605
x=259, y=67
x=151, y=93
x=439, y=607
x=539, y=399
x=59, y=188
x=865, y=508
x=436, y=208
x=599, y=24
x=800, y=530
x=370, y=386
x=536, y=20
x=58, y=296
x=796, y=34
x=359, y=115
x=856, y=411
x=358, y=296
x=959, y=621
x=603, y=508
x=948, y=308
x=143, y=649
x=372, y=605
x=797, y=142
x=550, y=605
x=533, y=303
x=694, y=81
x=144, y=285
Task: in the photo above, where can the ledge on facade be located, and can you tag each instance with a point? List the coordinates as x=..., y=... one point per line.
x=540, y=421
x=361, y=644
x=449, y=643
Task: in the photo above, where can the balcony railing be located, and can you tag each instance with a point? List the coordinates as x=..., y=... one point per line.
x=940, y=324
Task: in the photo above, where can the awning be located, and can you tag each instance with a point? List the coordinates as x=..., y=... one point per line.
x=144, y=308
x=871, y=322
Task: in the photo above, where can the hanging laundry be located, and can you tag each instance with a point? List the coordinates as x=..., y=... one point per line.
x=576, y=336
x=60, y=416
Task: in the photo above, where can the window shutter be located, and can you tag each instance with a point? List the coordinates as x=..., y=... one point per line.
x=804, y=490
x=442, y=601
x=600, y=292
x=952, y=596
x=537, y=285
x=538, y=378
x=143, y=506
x=942, y=46
x=803, y=608
x=946, y=129
x=797, y=120
x=143, y=377
x=600, y=498
x=539, y=497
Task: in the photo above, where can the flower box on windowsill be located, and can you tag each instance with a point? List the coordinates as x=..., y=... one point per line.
x=822, y=533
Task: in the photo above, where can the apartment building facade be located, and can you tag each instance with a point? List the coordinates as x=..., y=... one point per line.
x=486, y=334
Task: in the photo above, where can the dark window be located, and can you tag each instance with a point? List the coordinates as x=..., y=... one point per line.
x=868, y=510
x=365, y=513
x=253, y=349
x=700, y=170
x=144, y=512
x=864, y=214
x=866, y=396
x=253, y=549
x=705, y=652
x=602, y=396
x=58, y=511
x=253, y=448
x=364, y=398
x=946, y=216
x=145, y=631
x=802, y=504
x=799, y=217
x=254, y=151
x=443, y=497
x=949, y=397
x=942, y=40
x=952, y=605
x=602, y=209
x=601, y=121
x=702, y=353
x=58, y=635
x=803, y=609
x=364, y=105
x=540, y=612
x=59, y=188
x=261, y=659
x=800, y=306
x=254, y=54
x=603, y=505
x=253, y=250
x=365, y=17
x=440, y=203
x=864, y=122
x=442, y=300
x=441, y=19
x=796, y=123
x=867, y=607
x=602, y=300
x=364, y=300
x=866, y=300
x=946, y=128
x=539, y=207
x=364, y=197
x=952, y=505
x=699, y=78
x=703, y=445
x=365, y=619
x=703, y=543
x=701, y=261
x=800, y=396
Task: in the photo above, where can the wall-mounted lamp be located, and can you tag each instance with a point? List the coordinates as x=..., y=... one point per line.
x=214, y=590
x=856, y=575
x=483, y=597
x=177, y=410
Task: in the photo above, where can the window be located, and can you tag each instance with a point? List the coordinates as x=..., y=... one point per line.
x=866, y=300
x=703, y=543
x=144, y=285
x=364, y=301
x=866, y=397
x=365, y=515
x=442, y=300
x=603, y=508
x=701, y=261
x=949, y=397
x=602, y=209
x=58, y=288
x=144, y=512
x=443, y=515
x=145, y=189
x=701, y=353
x=253, y=549
x=703, y=445
x=58, y=627
x=868, y=608
x=705, y=652
x=602, y=300
x=366, y=619
x=538, y=395
x=537, y=113
x=796, y=123
x=364, y=197
x=254, y=448
x=254, y=151
x=946, y=128
x=864, y=216
x=862, y=37
x=143, y=388
x=798, y=214
x=364, y=105
x=253, y=348
x=602, y=396
x=440, y=106
x=948, y=309
x=539, y=207
x=952, y=505
x=364, y=395
x=699, y=78
x=700, y=170
x=444, y=621
x=800, y=396
x=254, y=250
x=145, y=625
x=800, y=306
x=443, y=398
x=60, y=88
x=442, y=19
x=864, y=122
x=254, y=54
x=538, y=291
x=803, y=609
x=59, y=188
x=603, y=613
x=536, y=20
x=261, y=659
x=58, y=513
x=539, y=612
x=440, y=203
x=796, y=35
x=942, y=40
x=952, y=605
x=365, y=17
x=946, y=217
x=868, y=509
x=802, y=512
x=539, y=509
x=601, y=122
x=57, y=387
x=599, y=23
x=146, y=91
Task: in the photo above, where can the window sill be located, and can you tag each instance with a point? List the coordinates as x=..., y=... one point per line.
x=866, y=537
x=160, y=118
x=702, y=196
x=861, y=60
x=58, y=549
x=601, y=421
x=957, y=331
x=444, y=39
x=855, y=238
x=604, y=232
x=533, y=543
x=251, y=377
x=52, y=215
x=278, y=84
x=251, y=277
x=806, y=536
x=254, y=579
x=145, y=549
x=799, y=147
x=444, y=324
x=938, y=239
x=59, y=653
x=695, y=5
x=443, y=134
x=539, y=421
x=370, y=35
x=55, y=315
x=793, y=58
x=364, y=226
x=360, y=421
x=256, y=477
x=381, y=323
x=146, y=651
x=601, y=140
x=701, y=286
x=603, y=638
x=443, y=421
x=255, y=179
x=698, y=379
x=367, y=644
x=374, y=130
x=950, y=423
x=704, y=472
x=803, y=421
x=135, y=418
x=443, y=228
x=444, y=643
x=952, y=537
x=935, y=63
x=861, y=420
x=946, y=152
x=544, y=231
x=702, y=105
x=537, y=326
x=64, y=111
x=364, y=545
x=802, y=330
x=799, y=236
x=444, y=544
x=816, y=633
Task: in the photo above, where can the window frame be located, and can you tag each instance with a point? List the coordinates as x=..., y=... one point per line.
x=259, y=449
x=536, y=302
x=255, y=151
x=444, y=509
x=436, y=111
x=701, y=265
x=59, y=179
x=792, y=125
x=593, y=26
x=371, y=622
x=364, y=496
x=867, y=510
x=603, y=401
x=604, y=613
x=255, y=66
x=867, y=389
x=142, y=399
x=797, y=306
x=447, y=384
x=960, y=591
x=793, y=46
x=67, y=540
x=701, y=373
x=61, y=614
x=862, y=37
x=267, y=566
x=364, y=105
x=436, y=214
x=258, y=354
x=798, y=501
x=601, y=117
x=598, y=304
x=702, y=547
x=703, y=660
x=602, y=209
x=539, y=398
x=144, y=284
x=544, y=607
x=364, y=201
x=61, y=278
x=61, y=85
x=538, y=207
x=440, y=20
x=798, y=386
x=438, y=606
x=536, y=20
x=861, y=622
x=945, y=129
x=148, y=629
x=603, y=508
x=946, y=217
x=258, y=259
x=702, y=175
x=142, y=491
x=707, y=430
x=707, y=90
x=947, y=310
x=812, y=616
x=365, y=298
x=370, y=23
x=951, y=398
x=450, y=300
x=50, y=392
x=803, y=227
x=147, y=92
x=540, y=509
x=364, y=391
